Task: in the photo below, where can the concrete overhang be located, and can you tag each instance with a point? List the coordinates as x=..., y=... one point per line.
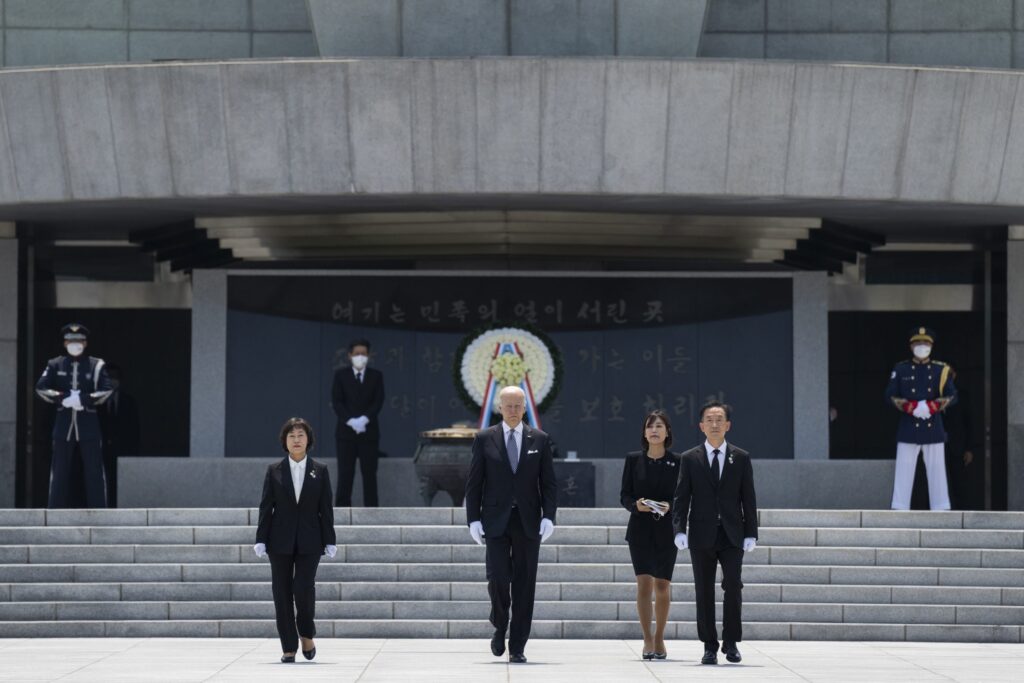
x=875, y=145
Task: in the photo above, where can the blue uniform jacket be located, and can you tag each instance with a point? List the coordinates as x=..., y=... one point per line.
x=915, y=381
x=89, y=376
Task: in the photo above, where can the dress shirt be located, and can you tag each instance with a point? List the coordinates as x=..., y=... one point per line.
x=298, y=475
x=711, y=454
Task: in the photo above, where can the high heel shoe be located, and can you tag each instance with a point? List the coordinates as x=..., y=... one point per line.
x=288, y=659
x=648, y=655
x=309, y=654
x=660, y=655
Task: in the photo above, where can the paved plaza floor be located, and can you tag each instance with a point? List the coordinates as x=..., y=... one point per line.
x=140, y=660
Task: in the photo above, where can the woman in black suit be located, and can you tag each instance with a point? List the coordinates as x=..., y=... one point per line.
x=296, y=527
x=648, y=485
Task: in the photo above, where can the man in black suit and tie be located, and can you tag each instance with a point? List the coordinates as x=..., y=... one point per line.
x=510, y=503
x=357, y=396
x=715, y=493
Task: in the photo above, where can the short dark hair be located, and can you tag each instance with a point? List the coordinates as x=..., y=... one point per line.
x=358, y=342
x=291, y=425
x=716, y=404
x=651, y=417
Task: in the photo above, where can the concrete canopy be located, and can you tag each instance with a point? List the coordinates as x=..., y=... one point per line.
x=736, y=137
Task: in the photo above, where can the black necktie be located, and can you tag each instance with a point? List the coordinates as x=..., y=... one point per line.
x=714, y=464
x=359, y=376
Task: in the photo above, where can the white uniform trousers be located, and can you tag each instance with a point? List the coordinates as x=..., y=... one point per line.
x=935, y=466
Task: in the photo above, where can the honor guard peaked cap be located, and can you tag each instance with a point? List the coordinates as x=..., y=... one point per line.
x=74, y=332
x=922, y=334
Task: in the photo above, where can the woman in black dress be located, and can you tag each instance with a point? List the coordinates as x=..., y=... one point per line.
x=648, y=485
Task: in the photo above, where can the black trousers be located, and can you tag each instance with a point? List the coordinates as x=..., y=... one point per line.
x=705, y=561
x=62, y=480
x=512, y=581
x=365, y=449
x=293, y=582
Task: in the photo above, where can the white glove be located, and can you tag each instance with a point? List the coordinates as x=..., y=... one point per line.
x=922, y=411
x=681, y=542
x=749, y=544
x=331, y=551
x=260, y=549
x=73, y=401
x=476, y=530
x=547, y=527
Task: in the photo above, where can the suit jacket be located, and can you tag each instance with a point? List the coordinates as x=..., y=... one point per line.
x=305, y=527
x=655, y=481
x=703, y=501
x=351, y=398
x=491, y=486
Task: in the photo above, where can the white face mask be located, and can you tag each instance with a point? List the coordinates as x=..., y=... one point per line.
x=922, y=351
x=359, y=362
x=75, y=349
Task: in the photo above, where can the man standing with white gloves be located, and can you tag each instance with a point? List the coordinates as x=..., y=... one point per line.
x=715, y=515
x=921, y=389
x=510, y=504
x=77, y=383
x=357, y=396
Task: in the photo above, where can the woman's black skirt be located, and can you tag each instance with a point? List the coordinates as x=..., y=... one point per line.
x=658, y=562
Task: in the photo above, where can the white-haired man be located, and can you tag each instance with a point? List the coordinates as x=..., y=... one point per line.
x=510, y=506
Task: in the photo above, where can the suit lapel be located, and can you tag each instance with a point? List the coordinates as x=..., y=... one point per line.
x=727, y=471
x=306, y=480
x=286, y=477
x=524, y=447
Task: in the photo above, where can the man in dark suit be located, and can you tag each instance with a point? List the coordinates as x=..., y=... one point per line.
x=511, y=501
x=357, y=396
x=715, y=494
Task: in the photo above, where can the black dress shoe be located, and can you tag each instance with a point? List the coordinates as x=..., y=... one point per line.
x=732, y=653
x=287, y=659
x=516, y=658
x=710, y=657
x=309, y=654
x=498, y=644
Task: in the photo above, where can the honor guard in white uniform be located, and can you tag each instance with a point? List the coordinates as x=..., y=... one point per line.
x=921, y=389
x=76, y=383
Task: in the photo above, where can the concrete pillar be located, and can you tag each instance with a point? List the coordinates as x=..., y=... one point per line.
x=8, y=362
x=1015, y=370
x=209, y=363
x=810, y=366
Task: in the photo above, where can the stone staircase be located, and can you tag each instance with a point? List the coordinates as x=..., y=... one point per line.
x=415, y=573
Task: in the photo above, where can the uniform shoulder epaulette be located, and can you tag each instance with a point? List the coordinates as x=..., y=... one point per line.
x=55, y=359
x=939, y=362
